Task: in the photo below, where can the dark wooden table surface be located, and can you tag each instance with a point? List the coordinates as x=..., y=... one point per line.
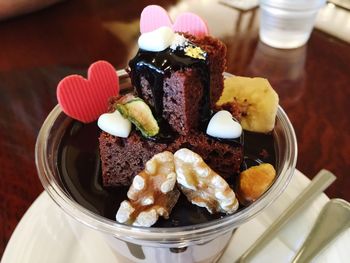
x=38, y=49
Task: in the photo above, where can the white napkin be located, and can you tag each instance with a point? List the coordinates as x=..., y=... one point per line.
x=291, y=237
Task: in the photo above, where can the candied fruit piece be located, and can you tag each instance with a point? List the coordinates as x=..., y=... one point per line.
x=254, y=181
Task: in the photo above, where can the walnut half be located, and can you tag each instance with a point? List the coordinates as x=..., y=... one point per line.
x=201, y=185
x=152, y=193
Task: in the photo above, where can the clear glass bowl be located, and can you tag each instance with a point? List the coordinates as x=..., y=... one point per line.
x=162, y=240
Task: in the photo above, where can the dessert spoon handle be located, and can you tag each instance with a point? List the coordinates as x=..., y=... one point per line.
x=332, y=221
x=318, y=184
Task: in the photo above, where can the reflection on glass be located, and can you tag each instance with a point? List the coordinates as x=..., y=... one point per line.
x=285, y=69
x=242, y=41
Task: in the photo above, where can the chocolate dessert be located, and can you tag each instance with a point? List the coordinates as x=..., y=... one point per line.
x=172, y=147
x=180, y=89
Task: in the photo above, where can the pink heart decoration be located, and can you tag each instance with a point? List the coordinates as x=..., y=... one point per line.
x=154, y=16
x=86, y=99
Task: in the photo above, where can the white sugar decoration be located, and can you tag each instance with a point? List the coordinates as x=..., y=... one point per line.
x=157, y=40
x=222, y=125
x=114, y=124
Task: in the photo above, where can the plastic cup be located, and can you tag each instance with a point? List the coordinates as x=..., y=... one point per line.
x=287, y=23
x=197, y=243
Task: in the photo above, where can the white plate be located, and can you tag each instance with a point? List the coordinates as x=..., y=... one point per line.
x=43, y=235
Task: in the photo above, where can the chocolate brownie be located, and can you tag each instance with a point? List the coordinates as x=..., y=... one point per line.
x=182, y=100
x=123, y=158
x=182, y=89
x=217, y=63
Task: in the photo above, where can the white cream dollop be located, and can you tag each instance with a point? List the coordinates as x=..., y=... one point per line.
x=222, y=125
x=157, y=40
x=114, y=124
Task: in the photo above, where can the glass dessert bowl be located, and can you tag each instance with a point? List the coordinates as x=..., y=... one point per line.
x=204, y=242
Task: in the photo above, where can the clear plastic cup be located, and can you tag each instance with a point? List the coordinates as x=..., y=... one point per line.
x=197, y=243
x=287, y=23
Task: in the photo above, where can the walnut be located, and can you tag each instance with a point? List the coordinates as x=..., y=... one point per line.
x=254, y=181
x=152, y=193
x=201, y=185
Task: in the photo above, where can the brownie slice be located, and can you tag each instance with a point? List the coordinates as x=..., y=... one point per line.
x=188, y=89
x=217, y=62
x=224, y=158
x=123, y=158
x=182, y=100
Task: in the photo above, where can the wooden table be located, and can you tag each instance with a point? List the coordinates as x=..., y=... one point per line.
x=37, y=50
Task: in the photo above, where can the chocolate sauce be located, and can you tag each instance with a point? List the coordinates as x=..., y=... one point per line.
x=236, y=142
x=166, y=133
x=156, y=66
x=80, y=170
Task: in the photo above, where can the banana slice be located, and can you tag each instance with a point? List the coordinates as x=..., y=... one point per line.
x=256, y=100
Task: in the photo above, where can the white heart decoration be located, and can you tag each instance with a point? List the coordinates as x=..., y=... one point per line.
x=222, y=125
x=156, y=40
x=114, y=124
